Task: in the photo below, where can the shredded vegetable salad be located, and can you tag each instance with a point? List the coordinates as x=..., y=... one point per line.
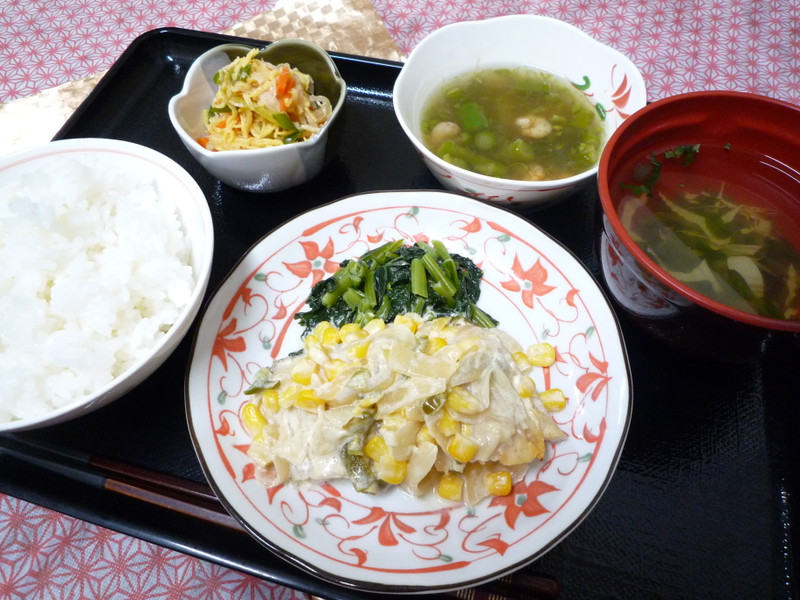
x=259, y=105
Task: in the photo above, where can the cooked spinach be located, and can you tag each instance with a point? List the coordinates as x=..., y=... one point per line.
x=395, y=279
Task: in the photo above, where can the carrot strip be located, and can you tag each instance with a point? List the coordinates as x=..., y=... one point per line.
x=283, y=84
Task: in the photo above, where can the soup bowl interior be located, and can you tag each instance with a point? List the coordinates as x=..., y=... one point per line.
x=610, y=81
x=749, y=149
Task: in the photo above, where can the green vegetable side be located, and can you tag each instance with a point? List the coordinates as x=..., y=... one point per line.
x=396, y=279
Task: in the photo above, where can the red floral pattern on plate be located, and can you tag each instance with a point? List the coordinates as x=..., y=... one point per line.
x=539, y=292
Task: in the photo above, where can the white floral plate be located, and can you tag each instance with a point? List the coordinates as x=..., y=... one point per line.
x=393, y=542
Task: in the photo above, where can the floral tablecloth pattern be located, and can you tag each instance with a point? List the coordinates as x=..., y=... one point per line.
x=679, y=45
x=45, y=555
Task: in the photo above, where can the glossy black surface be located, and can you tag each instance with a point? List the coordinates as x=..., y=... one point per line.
x=702, y=504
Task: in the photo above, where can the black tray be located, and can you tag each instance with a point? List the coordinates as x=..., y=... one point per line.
x=701, y=506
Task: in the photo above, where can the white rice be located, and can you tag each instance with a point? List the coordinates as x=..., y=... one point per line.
x=94, y=269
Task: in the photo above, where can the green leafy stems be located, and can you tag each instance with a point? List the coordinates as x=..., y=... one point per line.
x=396, y=279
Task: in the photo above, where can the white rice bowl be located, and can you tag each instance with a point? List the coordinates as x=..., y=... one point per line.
x=106, y=249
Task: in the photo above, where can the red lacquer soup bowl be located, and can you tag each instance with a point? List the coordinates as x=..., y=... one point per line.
x=700, y=237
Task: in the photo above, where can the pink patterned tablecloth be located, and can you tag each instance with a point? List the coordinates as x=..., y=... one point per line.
x=679, y=46
x=45, y=555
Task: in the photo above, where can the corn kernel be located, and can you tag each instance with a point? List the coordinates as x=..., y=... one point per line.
x=448, y=425
x=349, y=328
x=331, y=337
x=499, y=483
x=320, y=327
x=450, y=487
x=391, y=471
x=462, y=448
x=374, y=326
x=522, y=361
x=424, y=435
x=541, y=354
x=308, y=400
x=376, y=448
x=526, y=387
x=269, y=399
x=312, y=341
x=411, y=320
x=288, y=396
x=252, y=418
x=386, y=468
x=333, y=368
x=553, y=399
x=442, y=327
x=440, y=323
x=303, y=370
x=460, y=400
x=359, y=349
x=435, y=344
x=351, y=332
x=355, y=335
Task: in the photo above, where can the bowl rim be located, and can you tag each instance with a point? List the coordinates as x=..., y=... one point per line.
x=639, y=255
x=175, y=119
x=165, y=346
x=502, y=182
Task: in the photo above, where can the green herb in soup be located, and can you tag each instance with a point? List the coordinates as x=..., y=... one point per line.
x=514, y=123
x=729, y=251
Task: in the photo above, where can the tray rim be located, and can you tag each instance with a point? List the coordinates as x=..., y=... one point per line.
x=149, y=36
x=274, y=571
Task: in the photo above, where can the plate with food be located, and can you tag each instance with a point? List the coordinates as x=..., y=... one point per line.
x=408, y=392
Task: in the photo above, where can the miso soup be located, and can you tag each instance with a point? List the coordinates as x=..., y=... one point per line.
x=514, y=123
x=723, y=238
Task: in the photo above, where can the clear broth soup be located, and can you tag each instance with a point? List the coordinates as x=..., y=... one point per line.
x=520, y=123
x=725, y=238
